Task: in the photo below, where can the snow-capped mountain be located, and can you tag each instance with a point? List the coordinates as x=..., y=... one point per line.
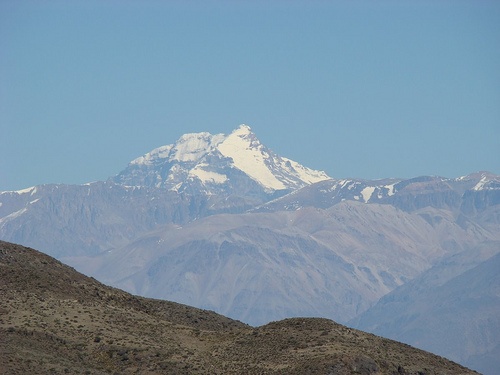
x=215, y=163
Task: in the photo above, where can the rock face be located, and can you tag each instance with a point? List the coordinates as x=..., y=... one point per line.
x=88, y=219
x=223, y=223
x=54, y=320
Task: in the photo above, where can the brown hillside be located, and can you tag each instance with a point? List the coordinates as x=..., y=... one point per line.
x=54, y=320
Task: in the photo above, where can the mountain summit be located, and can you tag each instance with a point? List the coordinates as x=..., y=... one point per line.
x=217, y=162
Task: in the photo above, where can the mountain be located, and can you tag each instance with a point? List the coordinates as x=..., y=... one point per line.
x=457, y=298
x=54, y=320
x=222, y=223
x=216, y=164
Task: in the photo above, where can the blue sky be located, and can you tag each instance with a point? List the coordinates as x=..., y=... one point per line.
x=355, y=88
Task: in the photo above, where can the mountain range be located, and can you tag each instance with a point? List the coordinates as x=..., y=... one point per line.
x=222, y=223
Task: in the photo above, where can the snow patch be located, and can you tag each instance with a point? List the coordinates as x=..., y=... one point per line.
x=31, y=190
x=343, y=183
x=305, y=174
x=177, y=187
x=25, y=191
x=349, y=183
x=192, y=147
x=480, y=185
x=367, y=193
x=208, y=176
x=353, y=185
x=390, y=189
x=12, y=216
x=158, y=153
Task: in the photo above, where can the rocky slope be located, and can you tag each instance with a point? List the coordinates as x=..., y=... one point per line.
x=457, y=298
x=54, y=320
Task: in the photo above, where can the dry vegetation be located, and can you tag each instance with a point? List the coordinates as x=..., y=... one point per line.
x=54, y=320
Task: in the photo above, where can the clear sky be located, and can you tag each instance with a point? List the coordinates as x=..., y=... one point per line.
x=366, y=89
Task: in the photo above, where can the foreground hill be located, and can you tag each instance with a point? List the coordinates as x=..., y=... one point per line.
x=55, y=320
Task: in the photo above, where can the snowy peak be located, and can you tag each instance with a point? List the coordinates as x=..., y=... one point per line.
x=243, y=131
x=263, y=165
x=189, y=147
x=210, y=160
x=251, y=157
x=193, y=147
